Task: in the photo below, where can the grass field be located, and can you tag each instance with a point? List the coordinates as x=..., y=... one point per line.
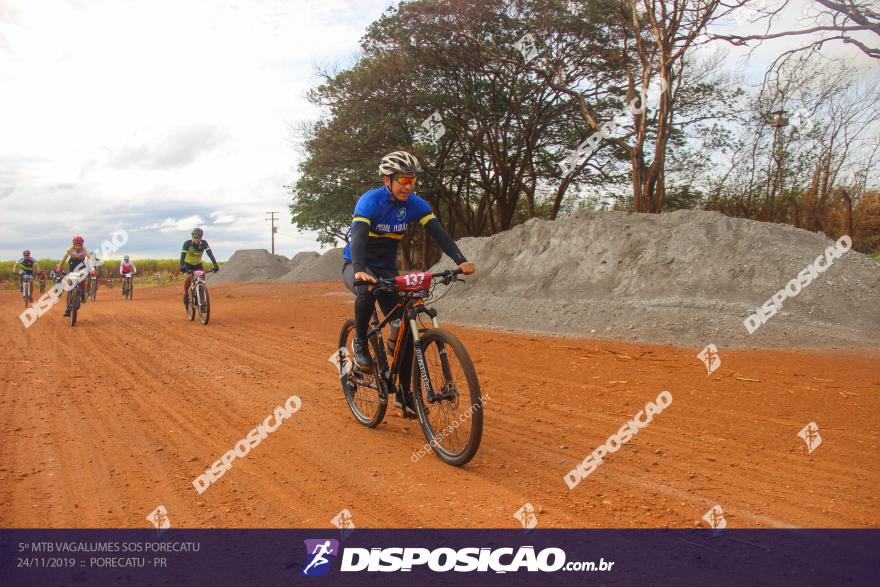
x=148, y=270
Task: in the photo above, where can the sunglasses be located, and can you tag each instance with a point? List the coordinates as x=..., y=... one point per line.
x=410, y=181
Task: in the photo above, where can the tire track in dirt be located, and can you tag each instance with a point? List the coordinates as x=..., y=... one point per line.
x=165, y=397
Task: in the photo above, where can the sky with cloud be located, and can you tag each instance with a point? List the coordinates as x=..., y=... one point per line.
x=158, y=115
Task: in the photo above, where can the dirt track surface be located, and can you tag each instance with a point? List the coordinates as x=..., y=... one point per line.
x=103, y=422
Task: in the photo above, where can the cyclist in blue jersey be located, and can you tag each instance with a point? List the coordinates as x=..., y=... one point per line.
x=381, y=217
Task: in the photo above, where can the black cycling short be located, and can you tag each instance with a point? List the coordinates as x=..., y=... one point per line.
x=365, y=305
x=188, y=267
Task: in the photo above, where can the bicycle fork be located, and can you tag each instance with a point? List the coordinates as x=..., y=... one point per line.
x=420, y=355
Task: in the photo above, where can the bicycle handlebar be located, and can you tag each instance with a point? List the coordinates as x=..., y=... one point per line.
x=445, y=277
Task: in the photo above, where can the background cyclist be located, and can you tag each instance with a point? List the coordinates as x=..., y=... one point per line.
x=191, y=258
x=127, y=269
x=25, y=266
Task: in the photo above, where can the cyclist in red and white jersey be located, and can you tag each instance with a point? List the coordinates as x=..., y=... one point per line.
x=126, y=267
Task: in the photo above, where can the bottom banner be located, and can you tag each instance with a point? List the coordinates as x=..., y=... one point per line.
x=467, y=557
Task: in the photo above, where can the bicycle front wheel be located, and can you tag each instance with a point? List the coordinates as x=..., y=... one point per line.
x=191, y=308
x=74, y=304
x=363, y=392
x=204, y=304
x=452, y=420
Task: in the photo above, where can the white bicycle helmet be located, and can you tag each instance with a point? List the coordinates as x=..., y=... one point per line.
x=399, y=162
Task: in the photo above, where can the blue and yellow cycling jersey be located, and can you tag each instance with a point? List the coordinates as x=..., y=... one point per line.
x=388, y=219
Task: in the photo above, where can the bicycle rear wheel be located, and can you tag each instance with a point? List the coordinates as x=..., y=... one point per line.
x=364, y=393
x=453, y=422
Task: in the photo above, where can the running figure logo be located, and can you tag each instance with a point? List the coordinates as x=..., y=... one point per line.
x=526, y=516
x=527, y=46
x=810, y=434
x=342, y=360
x=434, y=125
x=319, y=556
x=344, y=522
x=159, y=518
x=710, y=358
x=715, y=518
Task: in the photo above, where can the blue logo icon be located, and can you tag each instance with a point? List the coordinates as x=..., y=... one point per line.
x=320, y=553
x=401, y=212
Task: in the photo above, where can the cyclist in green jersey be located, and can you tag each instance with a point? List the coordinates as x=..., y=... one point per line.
x=191, y=258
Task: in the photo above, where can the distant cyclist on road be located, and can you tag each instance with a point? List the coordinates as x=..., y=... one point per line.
x=126, y=269
x=27, y=265
x=76, y=255
x=381, y=217
x=191, y=258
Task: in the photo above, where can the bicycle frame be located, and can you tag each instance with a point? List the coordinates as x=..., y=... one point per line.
x=411, y=308
x=198, y=276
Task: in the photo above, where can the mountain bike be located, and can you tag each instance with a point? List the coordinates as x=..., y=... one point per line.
x=444, y=383
x=127, y=287
x=198, y=297
x=93, y=287
x=75, y=295
x=42, y=285
x=27, y=288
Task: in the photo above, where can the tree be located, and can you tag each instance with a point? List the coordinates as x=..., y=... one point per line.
x=835, y=20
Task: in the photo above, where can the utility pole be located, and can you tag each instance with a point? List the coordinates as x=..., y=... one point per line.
x=274, y=228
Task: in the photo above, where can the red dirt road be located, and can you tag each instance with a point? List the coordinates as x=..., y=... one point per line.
x=103, y=422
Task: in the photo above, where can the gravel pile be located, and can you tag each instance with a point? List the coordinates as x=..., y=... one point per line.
x=688, y=278
x=251, y=265
x=316, y=267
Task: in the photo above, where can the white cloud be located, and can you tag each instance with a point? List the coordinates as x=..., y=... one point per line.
x=222, y=218
x=179, y=148
x=148, y=112
x=175, y=225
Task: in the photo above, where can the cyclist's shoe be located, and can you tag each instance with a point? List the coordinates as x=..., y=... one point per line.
x=67, y=313
x=408, y=405
x=362, y=358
